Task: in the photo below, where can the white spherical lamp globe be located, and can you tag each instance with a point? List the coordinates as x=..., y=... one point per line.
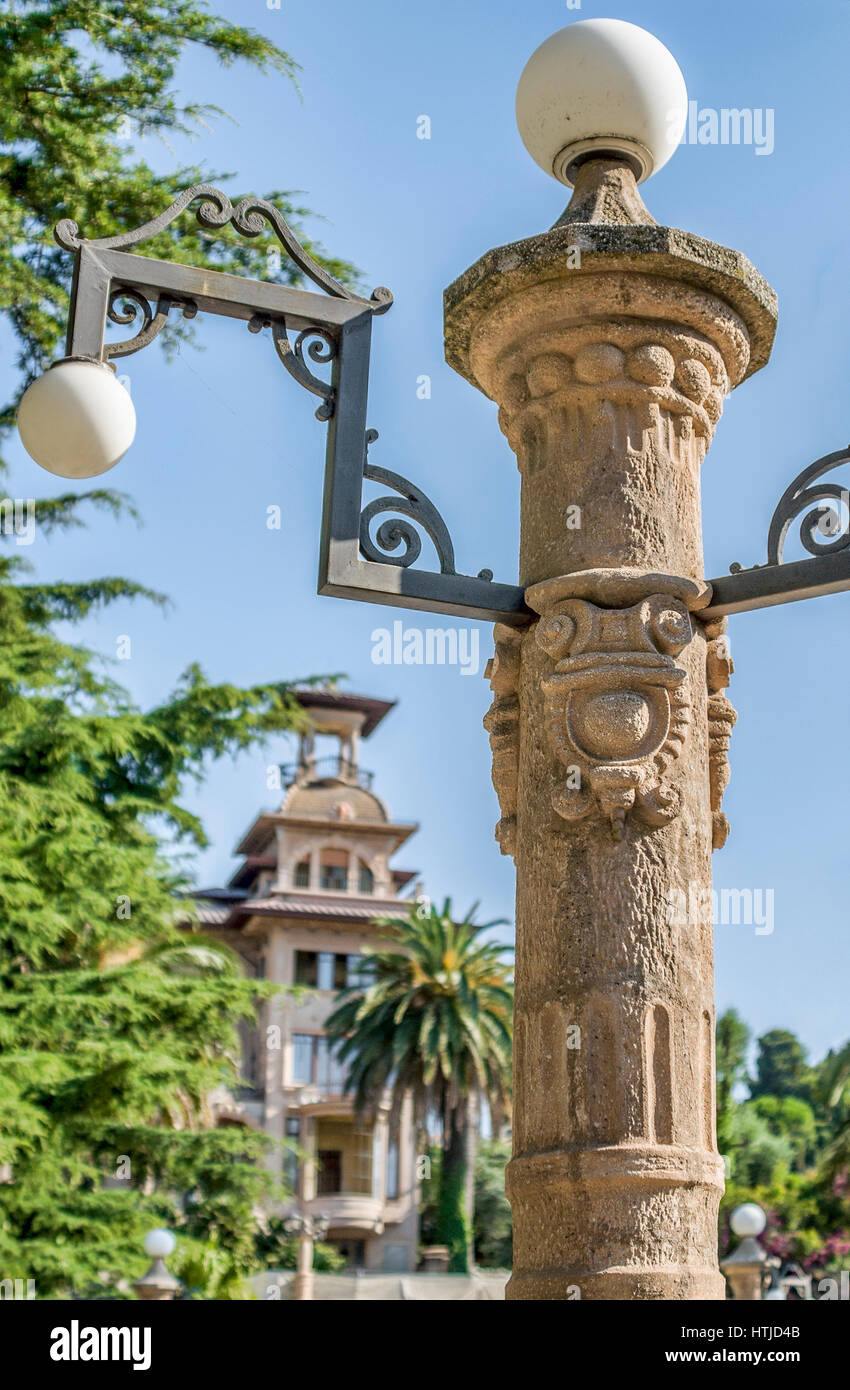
x=77, y=421
x=601, y=85
x=160, y=1243
x=748, y=1220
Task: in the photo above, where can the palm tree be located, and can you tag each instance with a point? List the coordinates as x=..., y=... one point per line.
x=832, y=1099
x=431, y=1018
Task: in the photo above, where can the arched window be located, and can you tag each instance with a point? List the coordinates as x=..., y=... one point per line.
x=301, y=877
x=366, y=879
x=333, y=870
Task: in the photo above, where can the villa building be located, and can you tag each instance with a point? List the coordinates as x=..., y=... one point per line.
x=299, y=911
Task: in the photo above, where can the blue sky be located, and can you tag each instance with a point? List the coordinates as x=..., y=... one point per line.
x=224, y=433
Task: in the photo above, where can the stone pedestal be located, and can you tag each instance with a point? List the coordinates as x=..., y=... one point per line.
x=747, y=1271
x=157, y=1284
x=609, y=346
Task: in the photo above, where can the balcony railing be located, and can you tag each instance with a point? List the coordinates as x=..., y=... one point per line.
x=352, y=1210
x=321, y=768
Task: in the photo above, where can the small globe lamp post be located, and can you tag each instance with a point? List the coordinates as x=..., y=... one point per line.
x=158, y=1284
x=748, y=1267
x=306, y=1228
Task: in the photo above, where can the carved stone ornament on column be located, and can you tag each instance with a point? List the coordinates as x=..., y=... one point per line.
x=617, y=707
x=502, y=724
x=721, y=719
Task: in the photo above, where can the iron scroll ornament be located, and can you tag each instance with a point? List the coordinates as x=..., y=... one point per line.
x=821, y=522
x=824, y=512
x=320, y=347
x=153, y=321
x=216, y=211
x=411, y=502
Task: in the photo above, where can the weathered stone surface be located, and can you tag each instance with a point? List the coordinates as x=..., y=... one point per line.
x=721, y=720
x=617, y=708
x=662, y=251
x=502, y=724
x=609, y=730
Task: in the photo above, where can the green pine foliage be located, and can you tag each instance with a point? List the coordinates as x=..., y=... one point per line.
x=116, y=1026
x=83, y=85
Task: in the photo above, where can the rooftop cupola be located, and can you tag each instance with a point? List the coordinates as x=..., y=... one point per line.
x=330, y=748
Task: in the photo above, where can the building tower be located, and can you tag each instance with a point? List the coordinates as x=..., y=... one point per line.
x=314, y=876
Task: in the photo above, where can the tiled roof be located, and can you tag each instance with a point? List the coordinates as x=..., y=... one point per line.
x=213, y=909
x=210, y=916
x=328, y=906
x=331, y=699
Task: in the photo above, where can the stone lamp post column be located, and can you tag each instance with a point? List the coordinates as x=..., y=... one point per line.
x=609, y=344
x=306, y=1228
x=158, y=1284
x=748, y=1267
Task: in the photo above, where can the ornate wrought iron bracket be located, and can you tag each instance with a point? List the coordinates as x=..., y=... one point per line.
x=355, y=564
x=824, y=533
x=112, y=284
x=334, y=327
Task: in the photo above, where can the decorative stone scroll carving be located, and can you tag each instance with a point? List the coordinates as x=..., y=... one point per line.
x=721, y=719
x=502, y=723
x=617, y=707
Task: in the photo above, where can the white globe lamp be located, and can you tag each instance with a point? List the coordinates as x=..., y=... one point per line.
x=77, y=420
x=160, y=1243
x=748, y=1220
x=601, y=86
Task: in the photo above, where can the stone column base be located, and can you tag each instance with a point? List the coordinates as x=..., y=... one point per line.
x=664, y=1284
x=639, y=1222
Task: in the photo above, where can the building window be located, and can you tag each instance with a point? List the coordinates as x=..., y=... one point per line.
x=321, y=969
x=333, y=871
x=353, y=971
x=366, y=880
x=325, y=970
x=329, y=1174
x=332, y=970
x=307, y=968
x=330, y=1072
x=315, y=1063
x=344, y=1152
x=301, y=877
x=290, y=1159
x=392, y=1170
x=302, y=1058
x=377, y=1161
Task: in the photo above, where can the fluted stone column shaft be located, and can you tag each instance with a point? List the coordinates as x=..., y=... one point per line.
x=302, y=1284
x=609, y=729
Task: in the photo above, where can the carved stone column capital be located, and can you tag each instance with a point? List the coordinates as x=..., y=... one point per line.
x=609, y=350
